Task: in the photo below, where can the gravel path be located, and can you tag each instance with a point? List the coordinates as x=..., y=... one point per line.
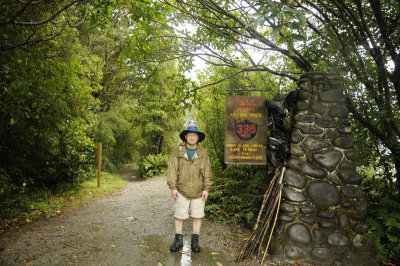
x=131, y=227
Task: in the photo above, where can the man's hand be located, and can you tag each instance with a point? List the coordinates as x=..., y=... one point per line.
x=205, y=195
x=174, y=193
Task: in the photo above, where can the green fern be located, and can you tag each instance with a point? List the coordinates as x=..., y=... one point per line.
x=384, y=222
x=153, y=164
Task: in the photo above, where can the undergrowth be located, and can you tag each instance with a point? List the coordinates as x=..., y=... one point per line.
x=44, y=204
x=152, y=165
x=384, y=219
x=237, y=194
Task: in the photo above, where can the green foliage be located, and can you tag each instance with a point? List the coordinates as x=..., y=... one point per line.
x=118, y=135
x=46, y=137
x=80, y=77
x=383, y=217
x=237, y=194
x=144, y=120
x=153, y=164
x=160, y=106
x=373, y=161
x=46, y=203
x=47, y=81
x=291, y=22
x=141, y=103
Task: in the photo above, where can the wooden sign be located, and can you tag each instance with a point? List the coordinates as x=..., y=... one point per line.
x=246, y=130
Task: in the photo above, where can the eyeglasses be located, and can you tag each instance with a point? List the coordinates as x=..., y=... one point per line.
x=192, y=135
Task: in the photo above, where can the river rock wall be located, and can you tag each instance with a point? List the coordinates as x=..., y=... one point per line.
x=323, y=211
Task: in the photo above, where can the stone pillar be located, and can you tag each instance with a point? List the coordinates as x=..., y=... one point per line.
x=323, y=210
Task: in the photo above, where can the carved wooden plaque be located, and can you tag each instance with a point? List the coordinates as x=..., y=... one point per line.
x=246, y=130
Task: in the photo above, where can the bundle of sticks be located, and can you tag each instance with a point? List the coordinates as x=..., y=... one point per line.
x=258, y=242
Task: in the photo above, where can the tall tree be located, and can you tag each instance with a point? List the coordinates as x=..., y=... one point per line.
x=47, y=78
x=31, y=22
x=141, y=101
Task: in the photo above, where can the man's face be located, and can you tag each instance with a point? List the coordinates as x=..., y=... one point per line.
x=192, y=138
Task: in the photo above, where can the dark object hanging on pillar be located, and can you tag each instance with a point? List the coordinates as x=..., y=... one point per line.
x=278, y=144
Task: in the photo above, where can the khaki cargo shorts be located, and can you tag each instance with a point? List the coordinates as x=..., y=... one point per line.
x=182, y=206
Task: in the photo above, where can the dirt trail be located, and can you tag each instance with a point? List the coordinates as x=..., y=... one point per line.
x=131, y=227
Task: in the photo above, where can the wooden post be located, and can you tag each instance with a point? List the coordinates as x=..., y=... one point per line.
x=97, y=160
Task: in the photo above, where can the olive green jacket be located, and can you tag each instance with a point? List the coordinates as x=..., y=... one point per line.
x=190, y=178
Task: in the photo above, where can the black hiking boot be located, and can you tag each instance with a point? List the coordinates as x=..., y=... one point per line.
x=275, y=107
x=272, y=158
x=195, y=243
x=178, y=243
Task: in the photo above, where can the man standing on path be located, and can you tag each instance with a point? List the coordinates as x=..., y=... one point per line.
x=189, y=178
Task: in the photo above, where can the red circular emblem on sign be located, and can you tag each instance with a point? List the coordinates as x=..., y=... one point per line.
x=246, y=130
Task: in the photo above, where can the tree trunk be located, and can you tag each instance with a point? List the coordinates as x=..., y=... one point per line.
x=396, y=154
